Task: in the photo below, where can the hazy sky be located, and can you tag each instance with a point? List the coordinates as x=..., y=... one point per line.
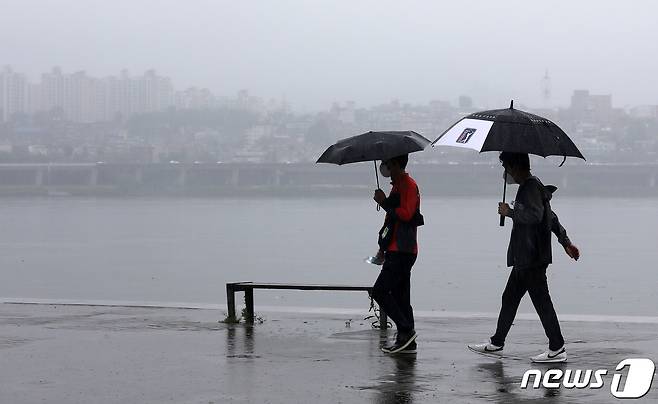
x=316, y=52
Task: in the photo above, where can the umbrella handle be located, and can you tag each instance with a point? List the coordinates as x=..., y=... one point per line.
x=502, y=218
x=377, y=178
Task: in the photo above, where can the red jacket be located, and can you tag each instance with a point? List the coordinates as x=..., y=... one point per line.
x=403, y=215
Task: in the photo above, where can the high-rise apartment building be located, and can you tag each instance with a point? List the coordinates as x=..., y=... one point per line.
x=13, y=93
x=82, y=98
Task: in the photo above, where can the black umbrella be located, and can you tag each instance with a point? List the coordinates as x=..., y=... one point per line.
x=373, y=146
x=509, y=130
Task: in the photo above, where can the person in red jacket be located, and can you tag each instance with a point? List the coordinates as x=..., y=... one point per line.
x=399, y=246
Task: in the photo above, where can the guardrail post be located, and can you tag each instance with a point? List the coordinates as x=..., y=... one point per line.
x=230, y=301
x=249, y=303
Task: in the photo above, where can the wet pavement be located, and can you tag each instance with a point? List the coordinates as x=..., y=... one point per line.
x=84, y=354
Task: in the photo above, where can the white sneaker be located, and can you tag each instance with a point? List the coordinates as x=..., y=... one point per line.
x=486, y=349
x=551, y=356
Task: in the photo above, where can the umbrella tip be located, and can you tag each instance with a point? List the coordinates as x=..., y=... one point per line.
x=511, y=104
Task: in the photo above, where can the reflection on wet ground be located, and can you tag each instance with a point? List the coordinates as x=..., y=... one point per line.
x=242, y=347
x=398, y=386
x=79, y=354
x=505, y=387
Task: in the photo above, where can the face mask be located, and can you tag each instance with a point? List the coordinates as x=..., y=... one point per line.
x=508, y=178
x=384, y=171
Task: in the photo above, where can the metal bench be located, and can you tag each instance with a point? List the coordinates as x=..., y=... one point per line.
x=248, y=289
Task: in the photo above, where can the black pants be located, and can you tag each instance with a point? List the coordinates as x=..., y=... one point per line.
x=533, y=281
x=392, y=289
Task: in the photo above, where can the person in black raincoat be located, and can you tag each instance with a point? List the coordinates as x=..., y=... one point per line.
x=529, y=253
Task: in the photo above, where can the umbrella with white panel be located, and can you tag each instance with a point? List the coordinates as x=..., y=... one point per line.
x=509, y=130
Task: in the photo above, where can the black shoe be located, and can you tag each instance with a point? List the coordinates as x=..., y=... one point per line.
x=410, y=349
x=402, y=341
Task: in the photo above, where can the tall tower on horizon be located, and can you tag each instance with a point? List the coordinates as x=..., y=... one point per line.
x=546, y=89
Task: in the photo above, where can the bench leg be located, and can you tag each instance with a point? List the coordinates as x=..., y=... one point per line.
x=249, y=303
x=230, y=301
x=383, y=319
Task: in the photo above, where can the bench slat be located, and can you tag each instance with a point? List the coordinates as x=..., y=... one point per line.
x=297, y=286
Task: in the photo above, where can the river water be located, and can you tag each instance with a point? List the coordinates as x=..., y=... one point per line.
x=185, y=250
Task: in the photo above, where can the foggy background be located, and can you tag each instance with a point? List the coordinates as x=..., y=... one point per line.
x=277, y=82
x=151, y=151
x=315, y=53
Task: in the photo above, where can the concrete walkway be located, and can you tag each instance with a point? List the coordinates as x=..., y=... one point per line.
x=90, y=354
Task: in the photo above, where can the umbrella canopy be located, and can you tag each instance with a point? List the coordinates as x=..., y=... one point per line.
x=509, y=130
x=373, y=146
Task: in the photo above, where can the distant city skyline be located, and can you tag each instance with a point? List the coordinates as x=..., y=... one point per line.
x=86, y=98
x=77, y=117
x=545, y=97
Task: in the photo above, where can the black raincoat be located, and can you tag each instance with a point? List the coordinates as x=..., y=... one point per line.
x=534, y=220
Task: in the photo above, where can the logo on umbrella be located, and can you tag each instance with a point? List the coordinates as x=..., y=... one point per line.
x=466, y=135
